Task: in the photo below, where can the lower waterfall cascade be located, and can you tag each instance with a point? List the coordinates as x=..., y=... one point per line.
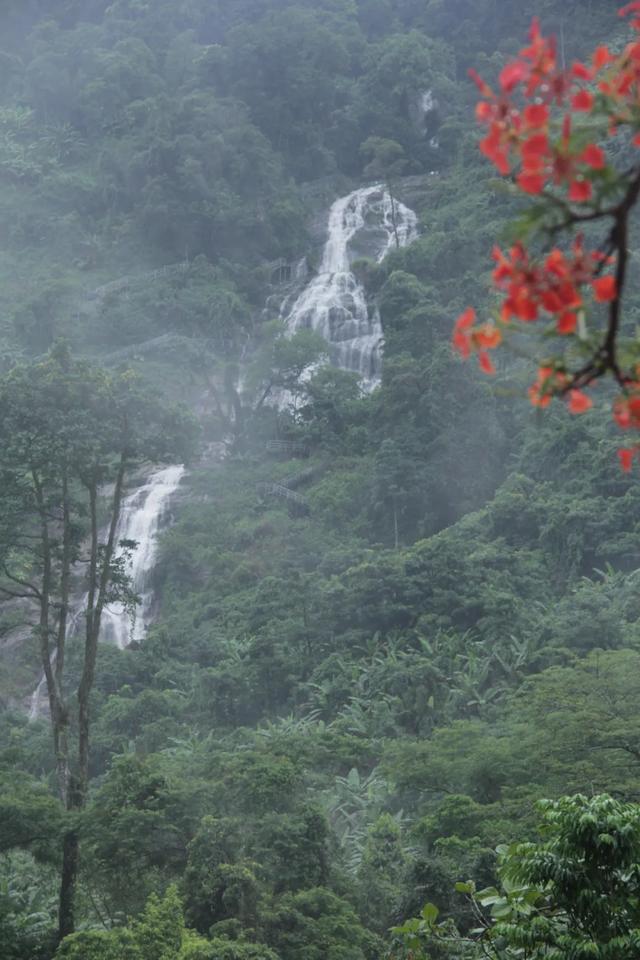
x=141, y=517
x=334, y=302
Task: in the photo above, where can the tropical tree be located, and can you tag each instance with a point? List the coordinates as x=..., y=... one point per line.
x=69, y=432
x=574, y=894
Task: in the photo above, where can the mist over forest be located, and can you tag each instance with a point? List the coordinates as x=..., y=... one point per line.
x=300, y=614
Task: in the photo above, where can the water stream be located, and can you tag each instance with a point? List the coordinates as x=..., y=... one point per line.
x=367, y=222
x=141, y=517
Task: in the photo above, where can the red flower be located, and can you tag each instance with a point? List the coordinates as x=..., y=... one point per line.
x=544, y=75
x=521, y=305
x=537, y=398
x=583, y=100
x=601, y=57
x=593, y=157
x=629, y=8
x=483, y=87
x=626, y=458
x=467, y=337
x=556, y=263
x=485, y=362
x=626, y=411
x=567, y=323
x=579, y=402
x=569, y=295
x=530, y=182
x=461, y=336
x=580, y=191
x=466, y=319
x=605, y=289
x=513, y=74
x=488, y=337
x=536, y=115
x=581, y=72
x=549, y=383
x=493, y=150
x=536, y=145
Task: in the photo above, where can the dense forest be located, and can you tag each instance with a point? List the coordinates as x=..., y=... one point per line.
x=382, y=623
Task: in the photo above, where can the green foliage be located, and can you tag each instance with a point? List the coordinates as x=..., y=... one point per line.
x=574, y=894
x=99, y=945
x=381, y=874
x=158, y=934
x=586, y=868
x=160, y=931
x=30, y=818
x=219, y=949
x=27, y=908
x=317, y=924
x=218, y=885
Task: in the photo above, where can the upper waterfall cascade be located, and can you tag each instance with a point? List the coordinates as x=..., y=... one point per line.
x=366, y=222
x=141, y=517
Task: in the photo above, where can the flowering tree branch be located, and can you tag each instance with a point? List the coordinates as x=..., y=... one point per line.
x=542, y=127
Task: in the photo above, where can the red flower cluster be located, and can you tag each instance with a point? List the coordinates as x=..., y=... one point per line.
x=552, y=287
x=550, y=383
x=468, y=337
x=626, y=410
x=631, y=8
x=621, y=80
x=543, y=161
x=519, y=137
x=547, y=154
x=626, y=413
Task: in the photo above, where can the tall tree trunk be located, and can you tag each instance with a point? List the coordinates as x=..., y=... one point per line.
x=101, y=575
x=57, y=706
x=69, y=873
x=395, y=524
x=61, y=721
x=70, y=843
x=99, y=578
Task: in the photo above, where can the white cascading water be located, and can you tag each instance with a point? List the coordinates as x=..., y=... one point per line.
x=141, y=515
x=140, y=518
x=334, y=302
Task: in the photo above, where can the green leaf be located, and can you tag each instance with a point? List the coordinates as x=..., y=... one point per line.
x=430, y=913
x=465, y=886
x=488, y=895
x=501, y=910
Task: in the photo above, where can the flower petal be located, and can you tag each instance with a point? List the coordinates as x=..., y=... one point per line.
x=605, y=289
x=625, y=456
x=579, y=402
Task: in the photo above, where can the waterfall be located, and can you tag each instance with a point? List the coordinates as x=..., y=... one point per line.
x=141, y=516
x=334, y=302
